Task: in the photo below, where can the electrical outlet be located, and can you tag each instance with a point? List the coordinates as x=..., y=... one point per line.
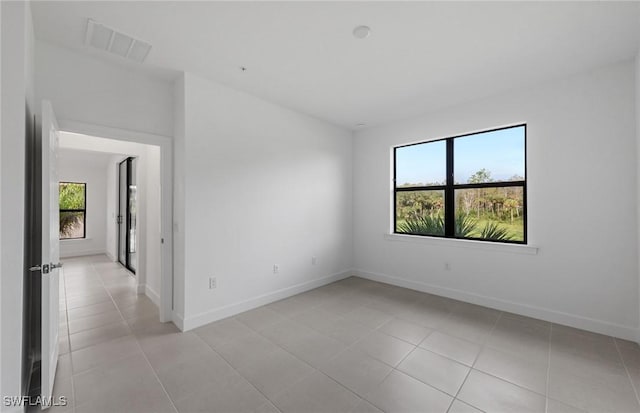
x=276, y=268
x=314, y=260
x=213, y=283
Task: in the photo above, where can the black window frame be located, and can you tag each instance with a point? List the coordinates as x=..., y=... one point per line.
x=450, y=187
x=84, y=210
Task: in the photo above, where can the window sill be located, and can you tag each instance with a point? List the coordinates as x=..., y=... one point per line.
x=463, y=243
x=75, y=239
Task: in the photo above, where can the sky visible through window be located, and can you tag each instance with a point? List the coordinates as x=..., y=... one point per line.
x=500, y=152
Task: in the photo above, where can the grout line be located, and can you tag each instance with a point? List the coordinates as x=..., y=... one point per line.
x=361, y=398
x=350, y=347
x=134, y=337
x=546, y=391
x=122, y=319
x=66, y=315
x=378, y=329
x=281, y=347
x=241, y=375
x=141, y=349
x=482, y=346
x=415, y=346
x=444, y=355
x=155, y=374
x=347, y=347
x=91, y=266
x=497, y=377
x=635, y=391
x=394, y=368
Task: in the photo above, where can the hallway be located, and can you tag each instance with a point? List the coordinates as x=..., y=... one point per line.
x=102, y=323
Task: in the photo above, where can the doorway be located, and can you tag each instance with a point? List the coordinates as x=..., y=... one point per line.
x=127, y=214
x=153, y=233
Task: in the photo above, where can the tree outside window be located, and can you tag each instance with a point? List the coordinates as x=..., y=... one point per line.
x=471, y=186
x=73, y=204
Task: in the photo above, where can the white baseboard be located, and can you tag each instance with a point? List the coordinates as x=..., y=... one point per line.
x=216, y=314
x=178, y=320
x=141, y=288
x=152, y=294
x=71, y=254
x=558, y=317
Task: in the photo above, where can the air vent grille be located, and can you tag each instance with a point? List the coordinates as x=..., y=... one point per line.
x=105, y=38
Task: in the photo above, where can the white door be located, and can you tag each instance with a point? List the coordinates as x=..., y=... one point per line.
x=50, y=250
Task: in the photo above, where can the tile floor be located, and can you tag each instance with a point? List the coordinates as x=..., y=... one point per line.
x=351, y=346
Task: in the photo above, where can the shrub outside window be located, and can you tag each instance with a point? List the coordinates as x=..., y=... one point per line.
x=73, y=210
x=471, y=186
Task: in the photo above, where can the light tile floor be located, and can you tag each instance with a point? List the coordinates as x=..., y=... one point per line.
x=351, y=346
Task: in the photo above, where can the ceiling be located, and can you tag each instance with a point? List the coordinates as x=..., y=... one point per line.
x=420, y=56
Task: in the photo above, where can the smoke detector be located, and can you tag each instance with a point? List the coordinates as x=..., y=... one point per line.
x=105, y=38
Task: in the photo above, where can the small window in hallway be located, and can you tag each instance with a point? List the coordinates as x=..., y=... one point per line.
x=73, y=209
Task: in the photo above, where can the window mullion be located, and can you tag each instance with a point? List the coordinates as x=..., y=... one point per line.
x=449, y=195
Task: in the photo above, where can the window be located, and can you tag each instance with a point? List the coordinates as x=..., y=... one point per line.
x=472, y=187
x=73, y=209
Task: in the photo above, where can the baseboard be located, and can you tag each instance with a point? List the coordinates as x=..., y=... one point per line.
x=141, y=288
x=111, y=257
x=72, y=254
x=237, y=308
x=153, y=295
x=178, y=320
x=558, y=317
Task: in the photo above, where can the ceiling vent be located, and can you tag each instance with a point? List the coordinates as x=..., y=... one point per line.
x=109, y=40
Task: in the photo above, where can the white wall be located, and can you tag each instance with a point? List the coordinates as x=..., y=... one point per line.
x=638, y=164
x=179, y=170
x=86, y=89
x=112, y=207
x=1, y=133
x=17, y=108
x=582, y=203
x=153, y=223
x=263, y=185
x=96, y=216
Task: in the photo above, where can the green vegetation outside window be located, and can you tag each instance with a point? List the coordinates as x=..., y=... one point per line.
x=471, y=186
x=73, y=209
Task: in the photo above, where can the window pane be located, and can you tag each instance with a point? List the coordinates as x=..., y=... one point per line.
x=495, y=156
x=420, y=212
x=421, y=165
x=71, y=225
x=71, y=195
x=490, y=213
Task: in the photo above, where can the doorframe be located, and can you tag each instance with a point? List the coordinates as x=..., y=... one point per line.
x=165, y=143
x=127, y=217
